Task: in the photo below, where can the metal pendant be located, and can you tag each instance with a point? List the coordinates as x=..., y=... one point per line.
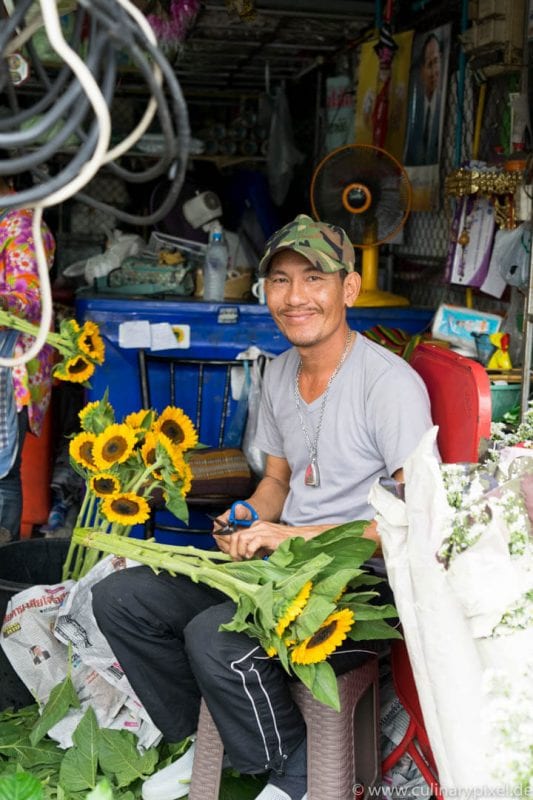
x=312, y=475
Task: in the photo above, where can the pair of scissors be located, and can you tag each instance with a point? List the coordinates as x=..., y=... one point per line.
x=232, y=523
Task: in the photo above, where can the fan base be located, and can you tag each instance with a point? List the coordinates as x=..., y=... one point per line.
x=376, y=297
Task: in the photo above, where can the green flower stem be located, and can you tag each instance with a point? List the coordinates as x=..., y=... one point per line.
x=92, y=504
x=165, y=558
x=9, y=320
x=73, y=547
x=139, y=480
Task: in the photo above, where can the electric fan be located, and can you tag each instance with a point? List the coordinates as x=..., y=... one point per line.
x=367, y=192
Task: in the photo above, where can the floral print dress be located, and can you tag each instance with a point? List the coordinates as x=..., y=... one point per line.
x=19, y=286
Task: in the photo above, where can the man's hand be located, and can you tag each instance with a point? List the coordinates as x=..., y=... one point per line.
x=258, y=540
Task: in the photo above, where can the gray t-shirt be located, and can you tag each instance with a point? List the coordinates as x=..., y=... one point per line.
x=376, y=412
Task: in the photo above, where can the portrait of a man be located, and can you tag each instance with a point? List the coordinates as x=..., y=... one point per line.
x=427, y=96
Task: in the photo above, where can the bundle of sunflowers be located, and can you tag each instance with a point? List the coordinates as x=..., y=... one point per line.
x=126, y=465
x=81, y=348
x=300, y=604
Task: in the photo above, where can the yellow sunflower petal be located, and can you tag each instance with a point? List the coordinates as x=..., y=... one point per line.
x=148, y=449
x=136, y=419
x=75, y=370
x=91, y=343
x=104, y=484
x=175, y=424
x=186, y=479
x=81, y=450
x=294, y=608
x=113, y=446
x=89, y=409
x=96, y=416
x=174, y=453
x=325, y=640
x=127, y=508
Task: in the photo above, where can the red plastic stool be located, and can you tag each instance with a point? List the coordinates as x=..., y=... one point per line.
x=415, y=742
x=36, y=473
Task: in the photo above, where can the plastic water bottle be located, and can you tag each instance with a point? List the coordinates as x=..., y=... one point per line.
x=215, y=266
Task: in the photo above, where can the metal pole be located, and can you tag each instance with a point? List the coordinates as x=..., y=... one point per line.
x=527, y=324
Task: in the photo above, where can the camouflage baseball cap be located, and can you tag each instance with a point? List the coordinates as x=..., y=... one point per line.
x=326, y=246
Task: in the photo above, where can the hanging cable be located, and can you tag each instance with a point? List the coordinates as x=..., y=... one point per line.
x=77, y=102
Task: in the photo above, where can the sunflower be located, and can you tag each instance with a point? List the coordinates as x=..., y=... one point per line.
x=91, y=343
x=148, y=453
x=88, y=411
x=136, y=418
x=175, y=424
x=70, y=327
x=325, y=640
x=294, y=608
x=186, y=478
x=174, y=453
x=75, y=370
x=113, y=446
x=271, y=652
x=96, y=416
x=104, y=484
x=81, y=450
x=127, y=508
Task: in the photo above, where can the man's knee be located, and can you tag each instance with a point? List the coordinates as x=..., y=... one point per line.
x=111, y=593
x=202, y=634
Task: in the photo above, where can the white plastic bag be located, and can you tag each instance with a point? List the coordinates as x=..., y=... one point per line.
x=511, y=252
x=121, y=246
x=255, y=457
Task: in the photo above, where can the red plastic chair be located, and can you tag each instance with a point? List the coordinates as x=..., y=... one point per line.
x=459, y=391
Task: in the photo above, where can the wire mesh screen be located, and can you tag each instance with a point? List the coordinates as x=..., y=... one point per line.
x=420, y=261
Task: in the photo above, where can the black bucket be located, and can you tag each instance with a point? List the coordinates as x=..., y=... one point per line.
x=25, y=563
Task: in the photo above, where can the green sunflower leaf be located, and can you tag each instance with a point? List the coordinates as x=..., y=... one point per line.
x=321, y=681
x=373, y=629
x=332, y=586
x=62, y=697
x=79, y=766
x=118, y=755
x=20, y=786
x=313, y=615
x=15, y=744
x=365, y=580
x=175, y=502
x=102, y=791
x=365, y=611
x=240, y=621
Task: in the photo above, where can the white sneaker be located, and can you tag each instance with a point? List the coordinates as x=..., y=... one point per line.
x=171, y=782
x=271, y=792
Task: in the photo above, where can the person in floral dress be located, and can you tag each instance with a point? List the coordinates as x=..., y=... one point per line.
x=30, y=383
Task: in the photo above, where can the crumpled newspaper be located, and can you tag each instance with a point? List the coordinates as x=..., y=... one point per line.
x=39, y=624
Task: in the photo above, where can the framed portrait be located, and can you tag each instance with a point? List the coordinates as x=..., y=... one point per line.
x=426, y=106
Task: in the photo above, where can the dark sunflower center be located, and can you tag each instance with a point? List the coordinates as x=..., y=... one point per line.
x=322, y=635
x=150, y=456
x=78, y=365
x=171, y=429
x=125, y=507
x=86, y=452
x=114, y=448
x=88, y=342
x=104, y=485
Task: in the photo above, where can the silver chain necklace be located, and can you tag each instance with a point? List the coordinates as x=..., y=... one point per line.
x=312, y=473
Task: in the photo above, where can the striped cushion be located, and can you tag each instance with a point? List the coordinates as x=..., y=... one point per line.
x=220, y=471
